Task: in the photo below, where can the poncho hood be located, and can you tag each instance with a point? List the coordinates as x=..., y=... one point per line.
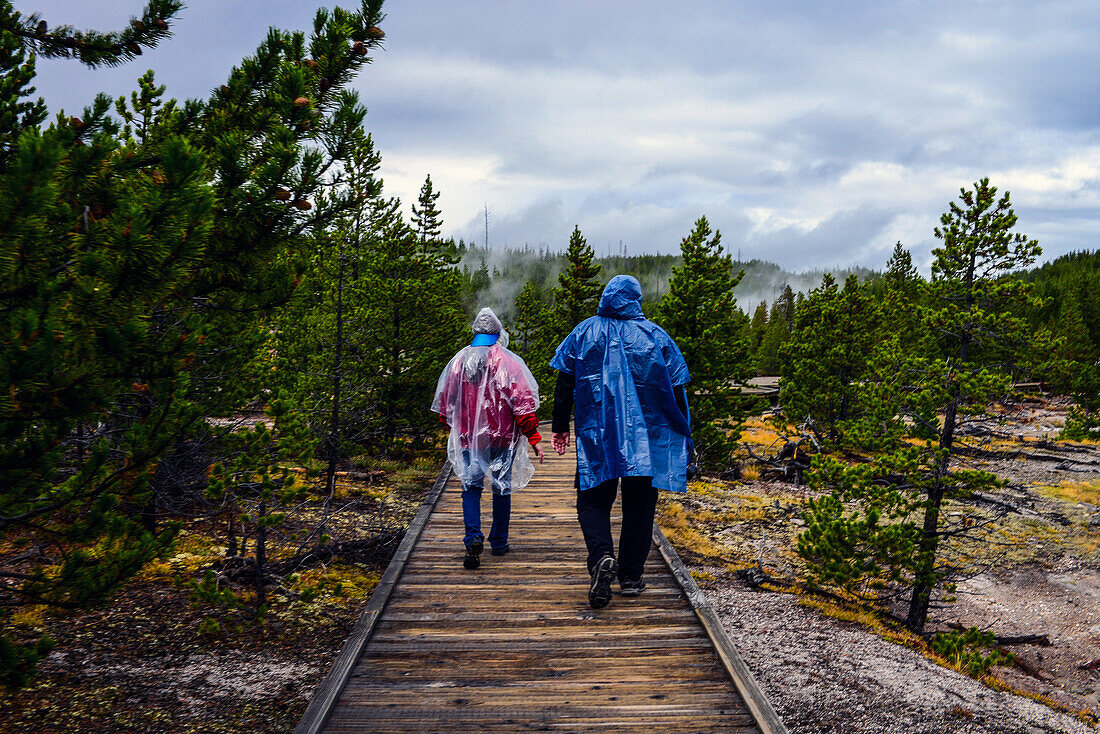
x=622, y=298
x=487, y=322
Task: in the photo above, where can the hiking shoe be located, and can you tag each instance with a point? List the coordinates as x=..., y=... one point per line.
x=473, y=556
x=599, y=594
x=501, y=551
x=631, y=587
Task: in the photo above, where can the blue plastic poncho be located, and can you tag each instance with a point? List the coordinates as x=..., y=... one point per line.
x=625, y=413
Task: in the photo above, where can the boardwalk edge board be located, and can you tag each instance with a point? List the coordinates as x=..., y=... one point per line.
x=757, y=703
x=324, y=698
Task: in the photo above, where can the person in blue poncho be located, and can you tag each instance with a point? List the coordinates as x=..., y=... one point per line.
x=623, y=377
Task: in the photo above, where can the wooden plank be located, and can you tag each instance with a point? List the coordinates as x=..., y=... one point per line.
x=503, y=618
x=324, y=698
x=754, y=698
x=510, y=721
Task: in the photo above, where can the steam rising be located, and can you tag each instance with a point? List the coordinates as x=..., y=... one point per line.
x=510, y=269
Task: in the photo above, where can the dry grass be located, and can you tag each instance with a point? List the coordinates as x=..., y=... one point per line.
x=704, y=578
x=759, y=433
x=680, y=526
x=1084, y=715
x=1087, y=491
x=868, y=618
x=750, y=473
x=347, y=580
x=731, y=525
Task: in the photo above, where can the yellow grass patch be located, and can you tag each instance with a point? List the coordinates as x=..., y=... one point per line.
x=758, y=432
x=866, y=618
x=751, y=472
x=680, y=527
x=1087, y=491
x=998, y=684
x=704, y=577
x=191, y=552
x=29, y=616
x=339, y=579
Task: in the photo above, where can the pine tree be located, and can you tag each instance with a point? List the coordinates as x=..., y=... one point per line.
x=861, y=536
x=758, y=326
x=92, y=48
x=914, y=404
x=260, y=488
x=426, y=217
x=968, y=308
x=900, y=274
x=410, y=308
x=827, y=356
x=534, y=338
x=700, y=312
x=139, y=254
x=777, y=333
x=17, y=70
x=900, y=297
x=578, y=291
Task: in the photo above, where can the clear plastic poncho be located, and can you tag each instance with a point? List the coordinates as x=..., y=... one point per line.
x=480, y=394
x=624, y=412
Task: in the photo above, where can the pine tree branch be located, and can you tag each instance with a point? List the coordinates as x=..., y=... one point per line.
x=95, y=48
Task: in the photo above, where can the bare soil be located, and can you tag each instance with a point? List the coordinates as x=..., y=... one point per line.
x=141, y=666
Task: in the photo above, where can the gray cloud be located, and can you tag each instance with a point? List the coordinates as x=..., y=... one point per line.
x=810, y=133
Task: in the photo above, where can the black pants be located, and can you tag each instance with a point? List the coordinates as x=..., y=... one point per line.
x=639, y=502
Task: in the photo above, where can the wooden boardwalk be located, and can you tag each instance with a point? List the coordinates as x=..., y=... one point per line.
x=514, y=646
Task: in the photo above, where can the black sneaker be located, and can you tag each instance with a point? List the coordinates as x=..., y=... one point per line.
x=473, y=556
x=501, y=551
x=599, y=594
x=631, y=587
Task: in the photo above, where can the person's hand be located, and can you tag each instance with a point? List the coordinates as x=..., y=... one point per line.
x=538, y=452
x=560, y=441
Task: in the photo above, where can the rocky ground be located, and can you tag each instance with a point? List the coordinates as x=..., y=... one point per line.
x=829, y=670
x=825, y=675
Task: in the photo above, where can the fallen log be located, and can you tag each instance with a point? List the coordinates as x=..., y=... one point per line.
x=984, y=499
x=757, y=577
x=979, y=453
x=1025, y=666
x=1064, y=448
x=1043, y=640
x=791, y=460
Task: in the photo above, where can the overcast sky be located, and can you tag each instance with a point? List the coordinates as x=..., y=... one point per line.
x=810, y=133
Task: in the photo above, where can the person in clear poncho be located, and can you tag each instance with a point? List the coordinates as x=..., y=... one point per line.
x=488, y=397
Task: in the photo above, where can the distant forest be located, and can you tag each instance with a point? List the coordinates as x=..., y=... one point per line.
x=1066, y=291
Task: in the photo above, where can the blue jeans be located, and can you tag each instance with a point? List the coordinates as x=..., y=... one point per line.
x=500, y=461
